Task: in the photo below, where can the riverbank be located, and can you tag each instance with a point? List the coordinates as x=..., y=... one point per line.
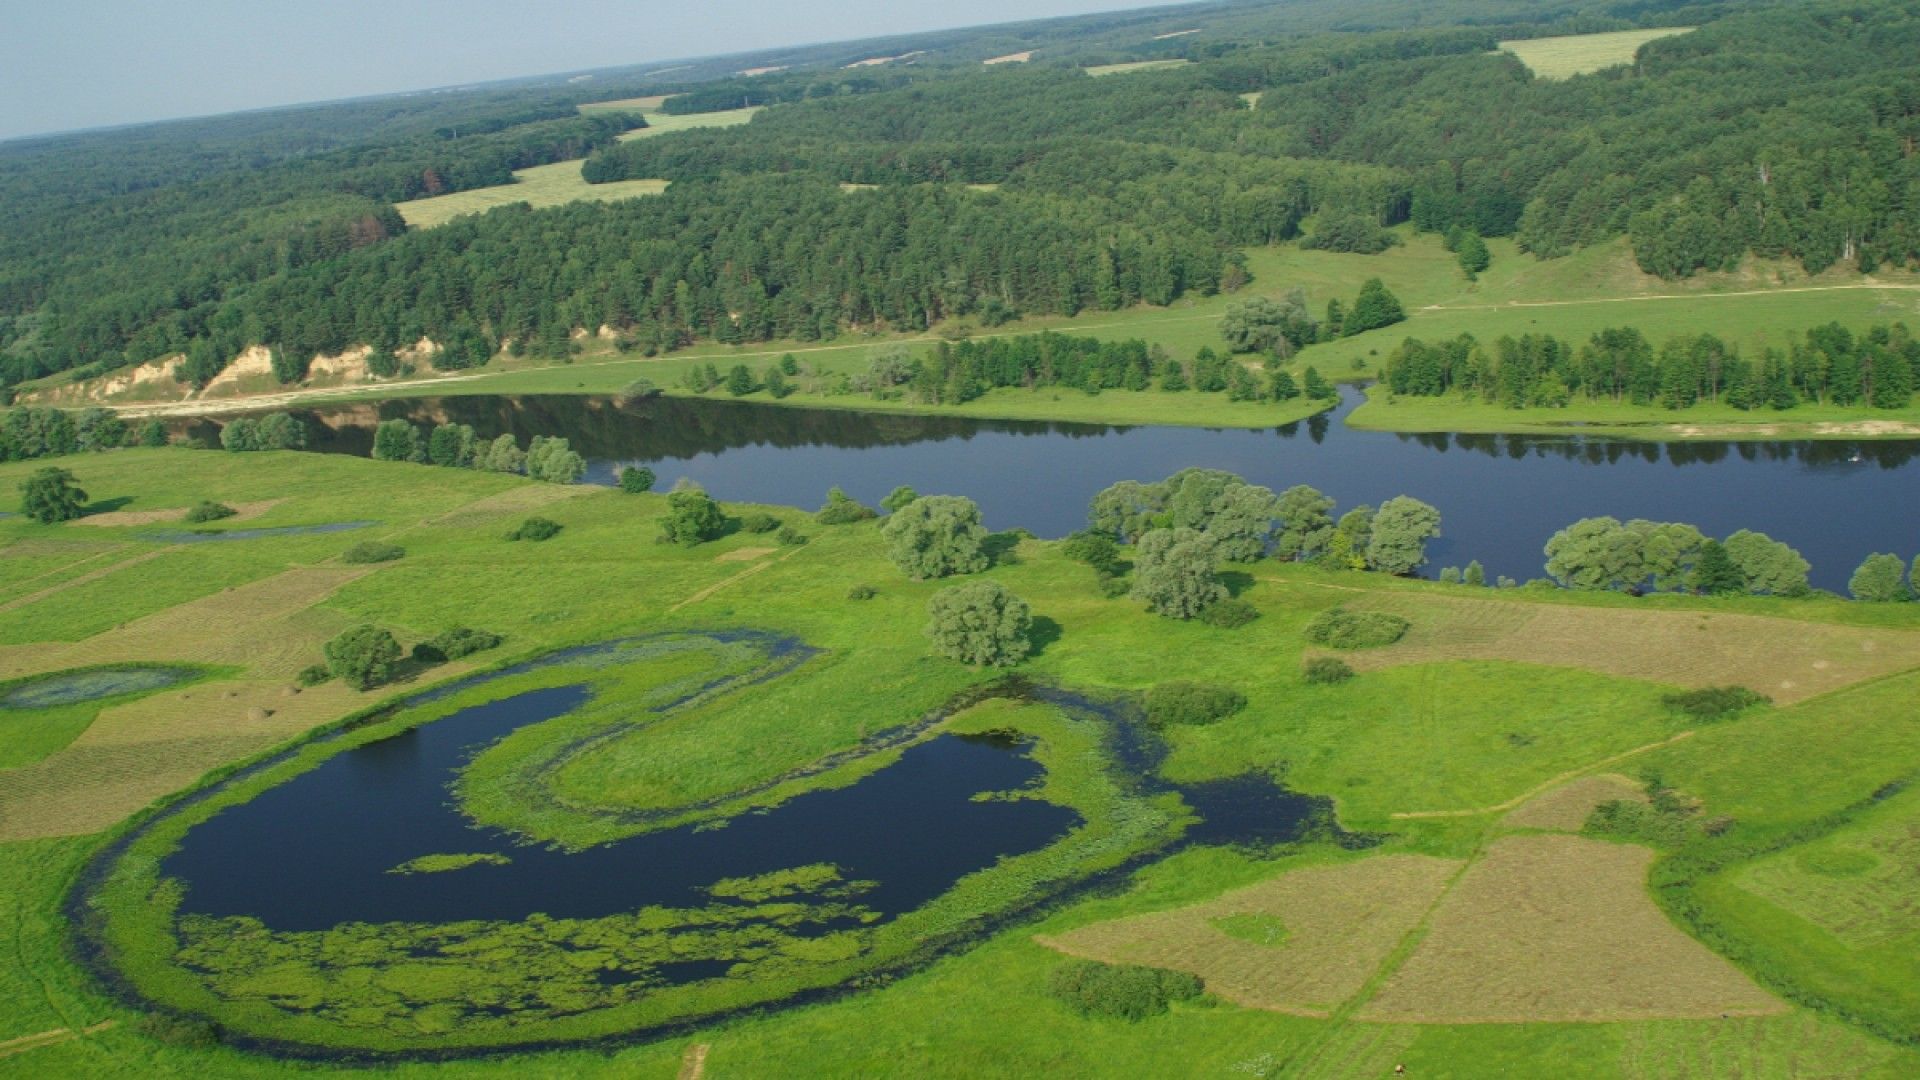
x=1462, y=415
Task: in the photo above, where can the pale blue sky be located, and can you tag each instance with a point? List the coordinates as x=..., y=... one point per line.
x=67, y=64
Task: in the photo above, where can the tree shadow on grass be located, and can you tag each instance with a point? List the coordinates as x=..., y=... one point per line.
x=1042, y=633
x=107, y=506
x=1236, y=581
x=999, y=547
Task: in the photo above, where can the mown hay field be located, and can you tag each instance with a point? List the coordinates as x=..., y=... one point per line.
x=541, y=186
x=1333, y=926
x=1861, y=884
x=1546, y=928
x=1582, y=54
x=1785, y=659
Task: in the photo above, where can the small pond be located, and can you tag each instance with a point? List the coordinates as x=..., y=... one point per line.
x=74, y=687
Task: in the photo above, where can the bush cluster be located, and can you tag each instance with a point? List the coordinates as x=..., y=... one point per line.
x=535, y=529
x=1191, y=703
x=759, y=522
x=1228, y=614
x=208, y=510
x=1714, y=702
x=1121, y=991
x=372, y=551
x=454, y=644
x=1343, y=629
x=1326, y=671
x=843, y=509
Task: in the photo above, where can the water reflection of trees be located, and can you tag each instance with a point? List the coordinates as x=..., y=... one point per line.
x=1594, y=451
x=604, y=429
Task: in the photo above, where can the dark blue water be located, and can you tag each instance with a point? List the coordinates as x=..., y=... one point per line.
x=1500, y=496
x=315, y=852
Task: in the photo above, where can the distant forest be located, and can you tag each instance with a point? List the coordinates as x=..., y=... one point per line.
x=1786, y=130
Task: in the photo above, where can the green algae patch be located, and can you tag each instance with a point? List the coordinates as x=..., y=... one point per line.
x=439, y=864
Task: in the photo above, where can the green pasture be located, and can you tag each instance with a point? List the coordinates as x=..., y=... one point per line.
x=1418, y=738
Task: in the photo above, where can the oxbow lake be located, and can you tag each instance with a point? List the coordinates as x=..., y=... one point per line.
x=1500, y=496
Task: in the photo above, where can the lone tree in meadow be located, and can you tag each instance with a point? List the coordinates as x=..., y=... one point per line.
x=980, y=623
x=50, y=495
x=1473, y=255
x=363, y=657
x=1374, y=308
x=1173, y=573
x=935, y=536
x=692, y=518
x=1401, y=529
x=1881, y=579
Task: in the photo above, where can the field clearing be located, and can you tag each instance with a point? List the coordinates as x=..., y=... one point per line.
x=659, y=123
x=1582, y=54
x=1861, y=885
x=540, y=187
x=1099, y=70
x=1787, y=660
x=1791, y=1047
x=1545, y=928
x=1010, y=58
x=1339, y=924
x=1567, y=807
x=625, y=105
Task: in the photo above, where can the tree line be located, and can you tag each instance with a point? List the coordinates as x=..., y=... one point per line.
x=1826, y=365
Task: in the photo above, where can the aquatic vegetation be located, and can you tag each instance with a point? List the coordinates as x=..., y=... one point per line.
x=90, y=684
x=439, y=864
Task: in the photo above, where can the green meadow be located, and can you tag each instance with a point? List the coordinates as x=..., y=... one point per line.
x=1769, y=846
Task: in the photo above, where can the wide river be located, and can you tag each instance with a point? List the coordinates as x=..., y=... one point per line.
x=1500, y=496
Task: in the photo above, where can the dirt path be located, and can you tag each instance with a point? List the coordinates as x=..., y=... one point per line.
x=693, y=1064
x=1545, y=784
x=64, y=567
x=724, y=582
x=1512, y=304
x=49, y=1038
x=91, y=575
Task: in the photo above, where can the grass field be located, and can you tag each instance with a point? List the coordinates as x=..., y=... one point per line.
x=541, y=186
x=1099, y=70
x=659, y=123
x=1557, y=934
x=1583, y=54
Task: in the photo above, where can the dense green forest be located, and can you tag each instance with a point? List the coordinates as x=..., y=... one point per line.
x=1783, y=130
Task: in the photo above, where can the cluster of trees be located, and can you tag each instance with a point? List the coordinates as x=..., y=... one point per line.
x=51, y=495
x=1883, y=579
x=1182, y=527
x=31, y=432
x=1641, y=556
x=456, y=446
x=274, y=431
x=1827, y=365
x=1282, y=327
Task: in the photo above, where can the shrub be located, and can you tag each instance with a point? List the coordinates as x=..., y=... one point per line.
x=980, y=623
x=788, y=536
x=454, y=644
x=1325, y=671
x=372, y=551
x=862, y=592
x=363, y=657
x=181, y=1031
x=1113, y=587
x=209, y=511
x=759, y=522
x=1094, y=549
x=535, y=529
x=313, y=676
x=636, y=479
x=1714, y=702
x=1120, y=991
x=1343, y=629
x=50, y=496
x=692, y=518
x=842, y=509
x=1228, y=614
x=936, y=536
x=1192, y=703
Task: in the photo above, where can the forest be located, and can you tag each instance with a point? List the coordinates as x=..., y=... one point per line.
x=894, y=199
